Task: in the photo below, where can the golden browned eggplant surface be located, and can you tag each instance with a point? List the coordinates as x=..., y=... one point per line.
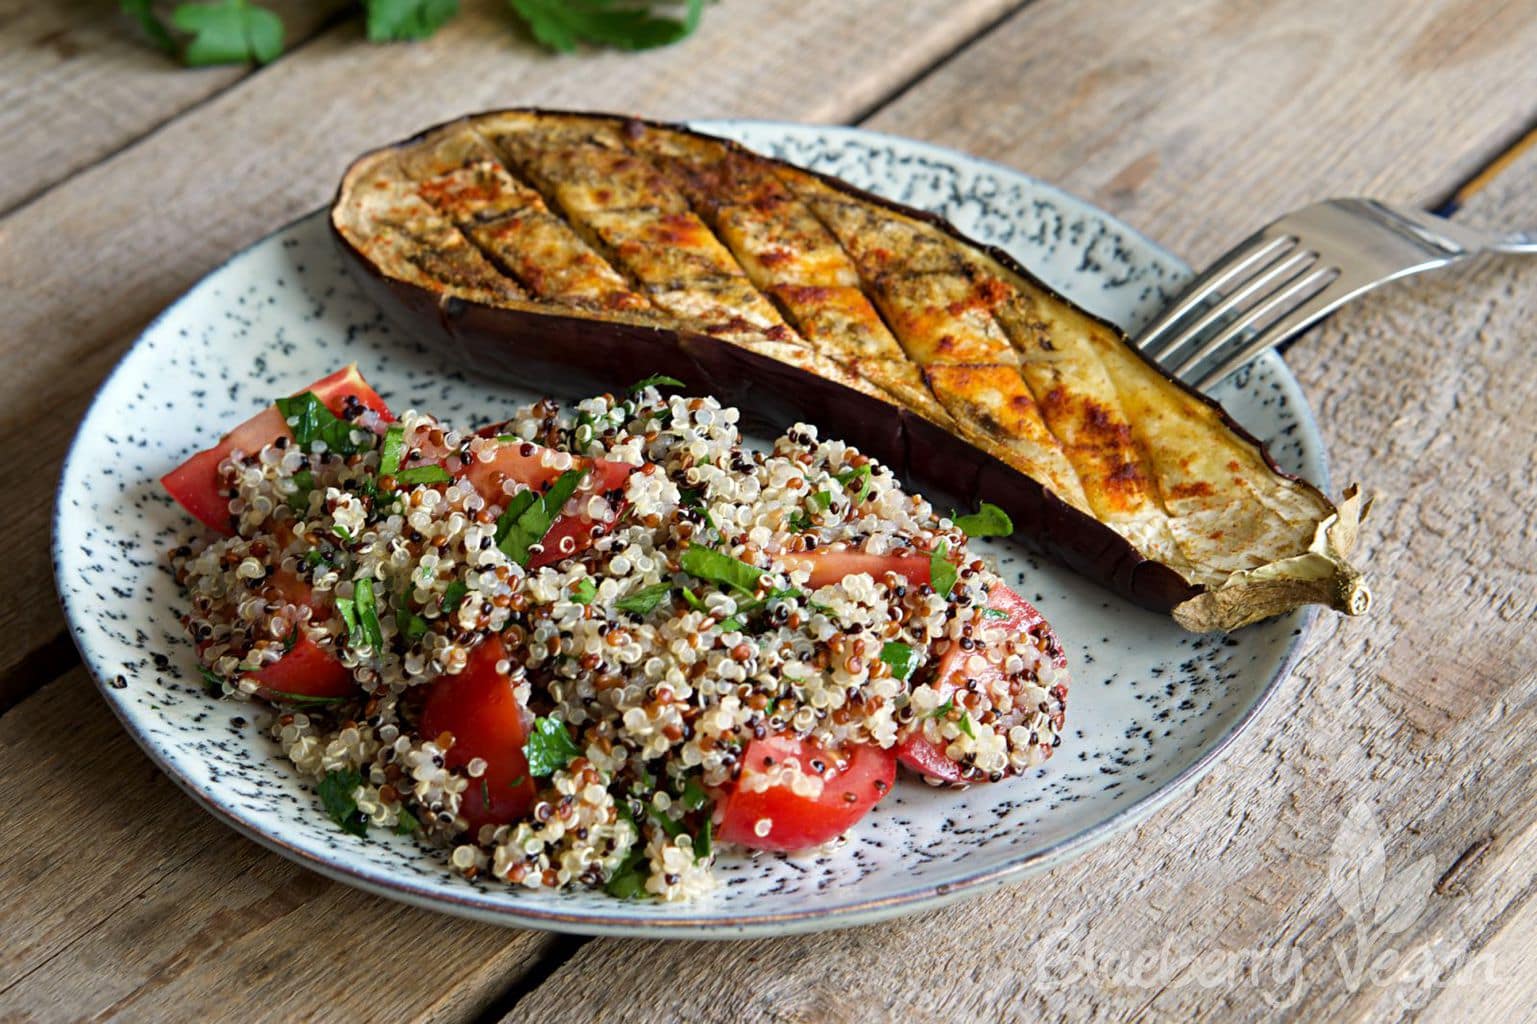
x=608, y=219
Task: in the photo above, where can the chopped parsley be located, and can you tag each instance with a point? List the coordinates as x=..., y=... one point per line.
x=407, y=825
x=656, y=380
x=412, y=626
x=704, y=842
x=994, y=613
x=942, y=571
x=304, y=484
x=368, y=613
x=212, y=681
x=860, y=473
x=453, y=594
x=965, y=724
x=584, y=591
x=644, y=600
x=348, y=609
x=628, y=882
x=901, y=657
x=310, y=420
x=303, y=700
x=336, y=794
x=549, y=747
x=821, y=499
x=987, y=521
x=709, y=564
x=693, y=796
x=423, y=475
x=393, y=451
x=528, y=516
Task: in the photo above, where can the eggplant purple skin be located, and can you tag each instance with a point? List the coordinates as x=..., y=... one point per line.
x=571, y=355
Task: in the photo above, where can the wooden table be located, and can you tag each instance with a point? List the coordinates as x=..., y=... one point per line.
x=126, y=179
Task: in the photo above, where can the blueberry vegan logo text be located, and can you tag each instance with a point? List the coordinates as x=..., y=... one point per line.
x=1377, y=902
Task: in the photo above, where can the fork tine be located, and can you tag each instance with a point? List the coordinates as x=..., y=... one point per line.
x=1274, y=277
x=1256, y=249
x=1297, y=289
x=1321, y=303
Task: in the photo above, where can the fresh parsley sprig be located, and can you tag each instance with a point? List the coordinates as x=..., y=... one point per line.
x=242, y=32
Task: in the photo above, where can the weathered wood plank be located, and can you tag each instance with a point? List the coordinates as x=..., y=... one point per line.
x=101, y=254
x=78, y=81
x=1221, y=907
x=123, y=899
x=1199, y=124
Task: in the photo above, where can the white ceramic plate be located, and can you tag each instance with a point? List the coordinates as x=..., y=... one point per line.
x=1150, y=706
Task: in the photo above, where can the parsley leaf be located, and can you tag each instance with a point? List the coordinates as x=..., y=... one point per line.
x=390, y=20
x=229, y=32
x=528, y=516
x=942, y=571
x=656, y=380
x=584, y=591
x=393, y=450
x=303, y=700
x=348, y=609
x=549, y=747
x=994, y=613
x=453, y=594
x=693, y=796
x=336, y=793
x=821, y=499
x=901, y=657
x=304, y=484
x=712, y=565
x=412, y=626
x=423, y=475
x=644, y=600
x=311, y=421
x=407, y=825
x=944, y=709
x=143, y=11
x=628, y=881
x=987, y=521
x=965, y=724
x=368, y=613
x=212, y=681
x=862, y=474
x=704, y=842
x=622, y=24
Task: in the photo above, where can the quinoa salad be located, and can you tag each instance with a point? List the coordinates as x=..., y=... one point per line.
x=598, y=645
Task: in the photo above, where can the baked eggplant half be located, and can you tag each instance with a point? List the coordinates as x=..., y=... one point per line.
x=591, y=248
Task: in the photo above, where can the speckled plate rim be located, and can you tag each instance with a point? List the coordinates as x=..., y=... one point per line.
x=924, y=897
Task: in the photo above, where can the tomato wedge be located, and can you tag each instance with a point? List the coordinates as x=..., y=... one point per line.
x=195, y=483
x=850, y=787
x=831, y=566
x=308, y=670
x=524, y=462
x=479, y=708
x=928, y=756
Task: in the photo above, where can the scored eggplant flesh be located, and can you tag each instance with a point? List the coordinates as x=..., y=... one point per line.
x=541, y=232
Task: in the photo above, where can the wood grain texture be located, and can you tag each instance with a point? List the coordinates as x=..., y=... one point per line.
x=1221, y=907
x=1198, y=122
x=101, y=254
x=123, y=899
x=78, y=80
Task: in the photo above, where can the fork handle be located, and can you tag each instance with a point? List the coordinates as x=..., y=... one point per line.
x=1520, y=242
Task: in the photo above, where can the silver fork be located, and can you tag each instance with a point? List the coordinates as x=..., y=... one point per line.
x=1297, y=270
